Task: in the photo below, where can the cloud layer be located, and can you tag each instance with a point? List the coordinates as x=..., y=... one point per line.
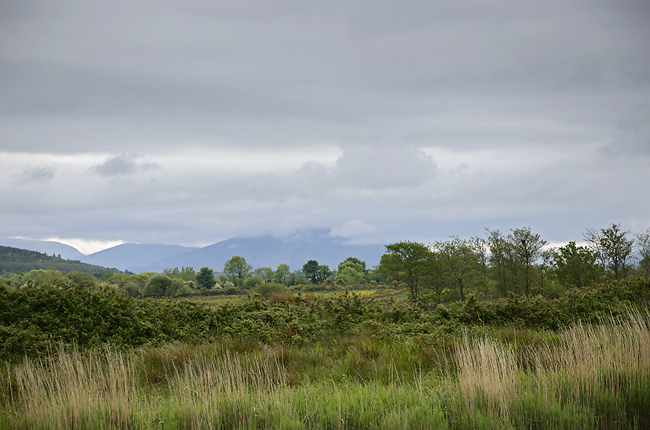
x=190, y=122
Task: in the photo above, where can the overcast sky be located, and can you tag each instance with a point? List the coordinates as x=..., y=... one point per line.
x=192, y=121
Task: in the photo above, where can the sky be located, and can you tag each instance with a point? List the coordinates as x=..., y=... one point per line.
x=193, y=121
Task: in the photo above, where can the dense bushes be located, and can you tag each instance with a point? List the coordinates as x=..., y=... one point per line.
x=35, y=318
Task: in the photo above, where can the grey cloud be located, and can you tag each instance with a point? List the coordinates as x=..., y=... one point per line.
x=376, y=79
x=121, y=165
x=377, y=167
x=36, y=174
x=633, y=135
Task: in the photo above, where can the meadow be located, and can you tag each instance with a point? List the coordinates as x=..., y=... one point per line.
x=95, y=358
x=585, y=376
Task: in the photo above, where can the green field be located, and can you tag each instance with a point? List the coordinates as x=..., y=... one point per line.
x=76, y=357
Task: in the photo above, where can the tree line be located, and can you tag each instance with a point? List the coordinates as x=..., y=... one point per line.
x=519, y=263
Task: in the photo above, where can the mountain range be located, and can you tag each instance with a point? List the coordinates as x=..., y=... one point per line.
x=259, y=251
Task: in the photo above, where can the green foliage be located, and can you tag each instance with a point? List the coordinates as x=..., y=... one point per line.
x=576, y=265
x=253, y=282
x=410, y=262
x=266, y=273
x=282, y=273
x=351, y=271
x=14, y=260
x=205, y=278
x=237, y=270
x=269, y=289
x=613, y=248
x=158, y=286
x=316, y=273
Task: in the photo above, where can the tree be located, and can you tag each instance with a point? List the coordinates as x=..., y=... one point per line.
x=158, y=286
x=282, y=273
x=266, y=273
x=461, y=263
x=351, y=271
x=501, y=260
x=576, y=265
x=513, y=258
x=317, y=273
x=310, y=269
x=237, y=270
x=528, y=247
x=612, y=247
x=205, y=278
x=253, y=281
x=643, y=247
x=407, y=261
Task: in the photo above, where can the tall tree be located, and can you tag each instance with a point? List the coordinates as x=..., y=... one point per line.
x=351, y=271
x=575, y=265
x=500, y=259
x=613, y=248
x=407, y=261
x=643, y=247
x=461, y=263
x=528, y=248
x=282, y=273
x=205, y=278
x=310, y=269
x=316, y=272
x=237, y=270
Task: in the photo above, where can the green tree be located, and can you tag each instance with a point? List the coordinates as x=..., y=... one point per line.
x=158, y=286
x=612, y=247
x=643, y=247
x=461, y=263
x=527, y=248
x=408, y=262
x=237, y=270
x=253, y=281
x=316, y=272
x=205, y=278
x=281, y=275
x=83, y=279
x=501, y=260
x=351, y=271
x=513, y=259
x=266, y=273
x=310, y=269
x=575, y=265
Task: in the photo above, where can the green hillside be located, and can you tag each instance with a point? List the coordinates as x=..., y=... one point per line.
x=15, y=260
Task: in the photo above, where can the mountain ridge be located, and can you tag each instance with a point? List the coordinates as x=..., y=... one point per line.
x=259, y=251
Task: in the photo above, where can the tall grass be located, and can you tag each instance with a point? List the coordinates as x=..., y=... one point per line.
x=591, y=376
x=588, y=376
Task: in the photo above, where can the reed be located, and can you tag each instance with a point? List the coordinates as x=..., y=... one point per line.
x=587, y=376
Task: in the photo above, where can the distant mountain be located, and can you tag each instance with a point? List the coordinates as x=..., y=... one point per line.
x=130, y=256
x=271, y=251
x=15, y=260
x=45, y=246
x=260, y=251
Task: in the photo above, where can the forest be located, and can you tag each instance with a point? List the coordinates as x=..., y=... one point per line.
x=502, y=331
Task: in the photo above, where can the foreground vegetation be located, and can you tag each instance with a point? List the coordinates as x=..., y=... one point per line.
x=585, y=376
x=495, y=333
x=94, y=357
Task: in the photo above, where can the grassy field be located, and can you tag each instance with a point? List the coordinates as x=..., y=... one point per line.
x=585, y=376
x=378, y=295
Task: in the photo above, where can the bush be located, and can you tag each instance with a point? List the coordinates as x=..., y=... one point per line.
x=253, y=282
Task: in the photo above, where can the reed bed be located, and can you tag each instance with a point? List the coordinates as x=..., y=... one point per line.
x=587, y=376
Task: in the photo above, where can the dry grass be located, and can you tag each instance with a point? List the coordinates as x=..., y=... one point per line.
x=594, y=372
x=587, y=377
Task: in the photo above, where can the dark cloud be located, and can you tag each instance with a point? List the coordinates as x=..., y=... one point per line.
x=446, y=116
x=633, y=135
x=36, y=174
x=121, y=165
